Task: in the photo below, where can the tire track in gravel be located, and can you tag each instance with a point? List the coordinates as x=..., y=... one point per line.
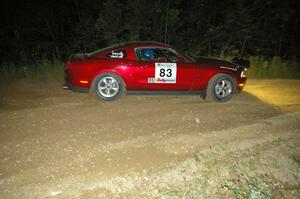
x=59, y=144
x=244, y=144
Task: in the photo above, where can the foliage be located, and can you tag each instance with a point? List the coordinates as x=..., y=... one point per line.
x=259, y=186
x=52, y=30
x=57, y=28
x=252, y=187
x=275, y=67
x=45, y=70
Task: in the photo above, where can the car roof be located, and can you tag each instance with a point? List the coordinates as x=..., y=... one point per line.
x=134, y=44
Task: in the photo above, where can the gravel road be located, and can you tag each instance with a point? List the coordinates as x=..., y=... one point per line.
x=60, y=144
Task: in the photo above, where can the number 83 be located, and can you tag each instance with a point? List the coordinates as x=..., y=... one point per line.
x=163, y=72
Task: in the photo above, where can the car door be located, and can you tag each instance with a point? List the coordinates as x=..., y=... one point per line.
x=155, y=70
x=139, y=73
x=142, y=70
x=182, y=74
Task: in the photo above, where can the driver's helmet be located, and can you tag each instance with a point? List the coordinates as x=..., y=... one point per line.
x=147, y=54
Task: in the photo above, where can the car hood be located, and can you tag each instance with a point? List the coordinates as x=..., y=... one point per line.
x=206, y=60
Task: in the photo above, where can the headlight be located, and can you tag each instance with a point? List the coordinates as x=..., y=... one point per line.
x=243, y=73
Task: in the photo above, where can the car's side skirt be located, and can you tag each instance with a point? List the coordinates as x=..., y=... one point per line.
x=165, y=92
x=138, y=92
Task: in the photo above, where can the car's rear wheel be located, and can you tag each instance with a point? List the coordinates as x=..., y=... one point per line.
x=109, y=86
x=220, y=88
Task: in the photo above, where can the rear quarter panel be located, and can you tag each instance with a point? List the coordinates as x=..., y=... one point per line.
x=88, y=69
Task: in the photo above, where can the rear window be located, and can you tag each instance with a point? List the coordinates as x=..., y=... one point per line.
x=117, y=54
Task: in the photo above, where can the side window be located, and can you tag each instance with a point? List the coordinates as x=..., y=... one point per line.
x=150, y=54
x=117, y=54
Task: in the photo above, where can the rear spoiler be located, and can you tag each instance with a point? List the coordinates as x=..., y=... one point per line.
x=241, y=62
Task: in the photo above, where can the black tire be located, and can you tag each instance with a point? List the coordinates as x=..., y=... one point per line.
x=220, y=88
x=108, y=86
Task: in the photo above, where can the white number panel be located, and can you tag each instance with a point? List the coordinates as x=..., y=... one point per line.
x=165, y=73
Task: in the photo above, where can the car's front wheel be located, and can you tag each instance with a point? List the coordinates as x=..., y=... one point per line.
x=109, y=86
x=220, y=88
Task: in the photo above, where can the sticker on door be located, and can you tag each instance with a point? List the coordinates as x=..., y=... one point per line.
x=165, y=73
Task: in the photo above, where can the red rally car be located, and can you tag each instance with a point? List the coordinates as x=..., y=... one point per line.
x=153, y=68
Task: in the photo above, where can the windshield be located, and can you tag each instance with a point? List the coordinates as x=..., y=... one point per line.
x=185, y=55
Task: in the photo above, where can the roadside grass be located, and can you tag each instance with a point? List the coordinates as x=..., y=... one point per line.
x=234, y=175
x=44, y=70
x=257, y=186
x=243, y=185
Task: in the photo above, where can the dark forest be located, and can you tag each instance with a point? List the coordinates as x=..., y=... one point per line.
x=32, y=30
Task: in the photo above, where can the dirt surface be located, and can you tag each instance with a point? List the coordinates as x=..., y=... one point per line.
x=59, y=144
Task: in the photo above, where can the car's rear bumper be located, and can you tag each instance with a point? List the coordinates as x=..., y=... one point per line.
x=68, y=85
x=75, y=88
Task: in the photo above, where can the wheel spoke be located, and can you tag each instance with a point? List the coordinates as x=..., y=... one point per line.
x=227, y=86
x=113, y=81
x=104, y=90
x=114, y=85
x=102, y=87
x=223, y=83
x=112, y=88
x=218, y=89
x=112, y=91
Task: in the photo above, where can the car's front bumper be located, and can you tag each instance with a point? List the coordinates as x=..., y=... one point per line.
x=241, y=84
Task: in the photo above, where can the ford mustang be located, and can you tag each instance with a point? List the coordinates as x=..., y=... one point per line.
x=153, y=68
